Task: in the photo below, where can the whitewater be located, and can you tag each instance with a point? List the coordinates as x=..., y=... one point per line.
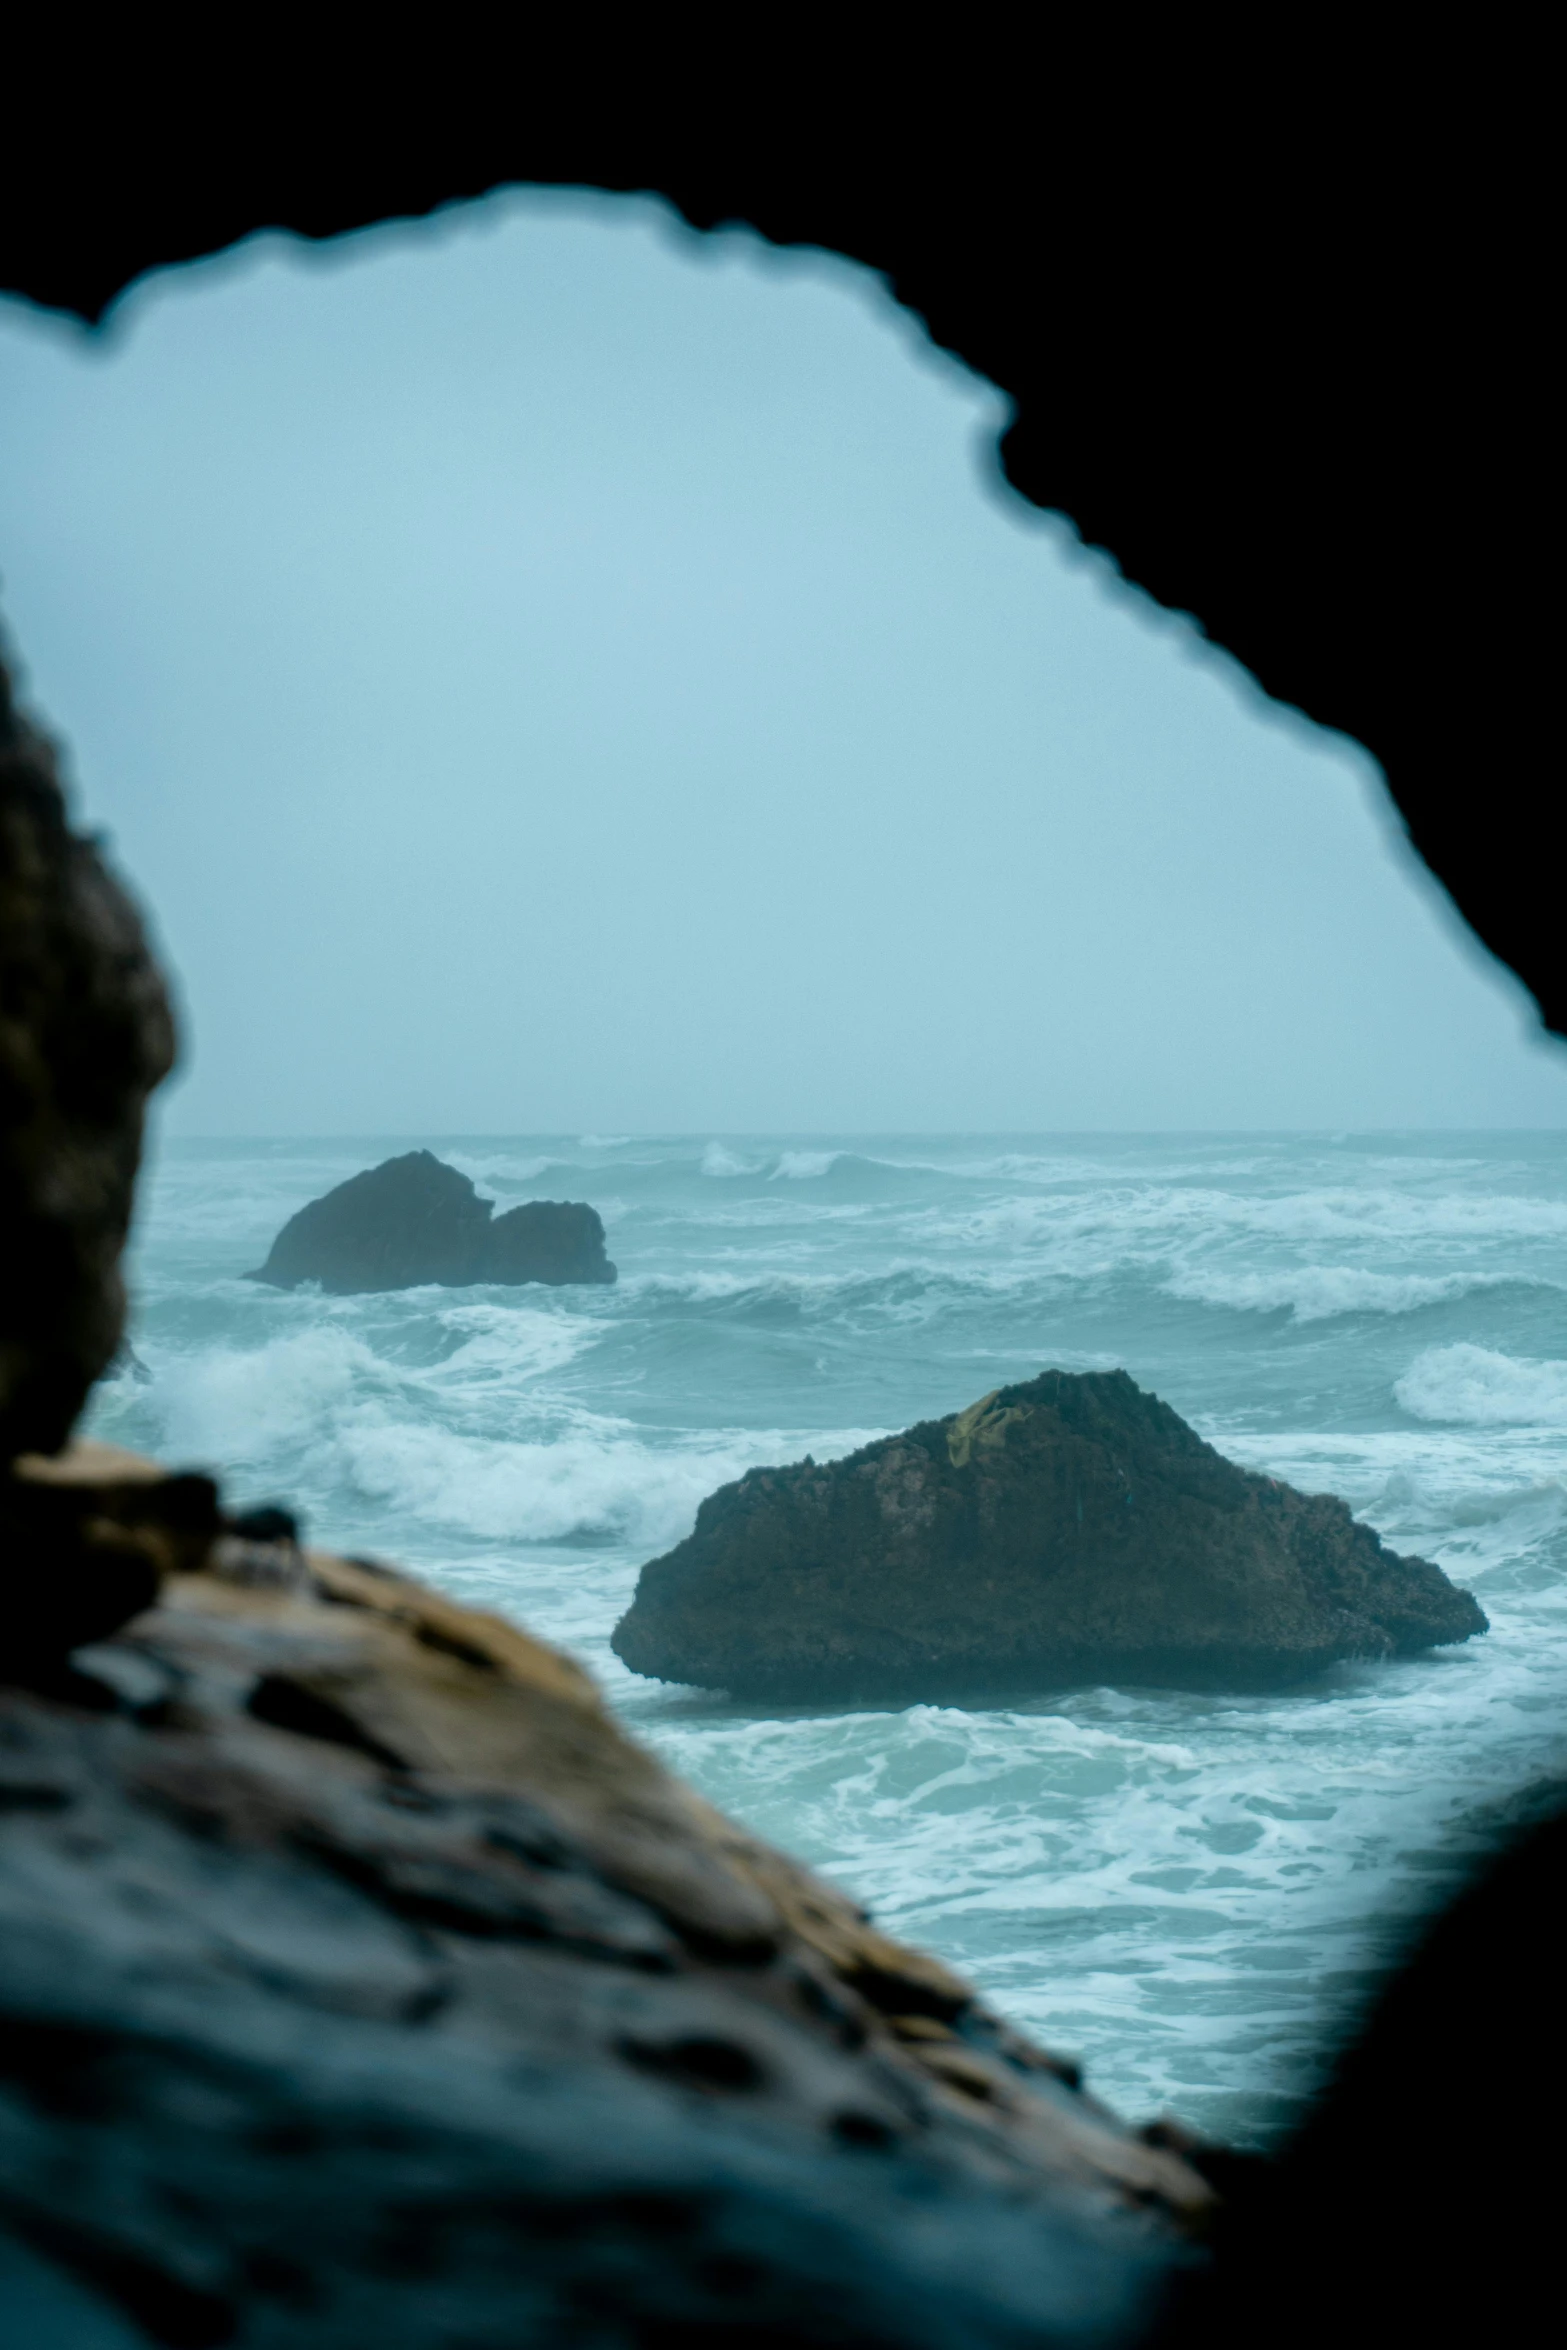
x=1191, y=1893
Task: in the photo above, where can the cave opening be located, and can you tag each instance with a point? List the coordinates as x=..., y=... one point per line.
x=580, y=696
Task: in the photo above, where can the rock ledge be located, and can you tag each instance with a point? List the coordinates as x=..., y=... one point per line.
x=361, y=1981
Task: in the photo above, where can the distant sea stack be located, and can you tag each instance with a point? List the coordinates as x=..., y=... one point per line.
x=415, y=1220
x=1070, y=1529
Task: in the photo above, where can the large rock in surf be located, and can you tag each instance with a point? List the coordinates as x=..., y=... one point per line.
x=414, y=1220
x=362, y=1982
x=1069, y=1529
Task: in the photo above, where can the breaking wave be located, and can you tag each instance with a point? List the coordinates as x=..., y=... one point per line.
x=1475, y=1384
x=1185, y=1890
x=1316, y=1293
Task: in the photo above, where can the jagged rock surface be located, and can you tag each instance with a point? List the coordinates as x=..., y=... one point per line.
x=414, y=1220
x=85, y=1034
x=1070, y=1528
x=360, y=1981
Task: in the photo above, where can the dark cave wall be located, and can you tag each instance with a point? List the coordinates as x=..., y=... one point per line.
x=1281, y=355
x=85, y=1034
x=1266, y=320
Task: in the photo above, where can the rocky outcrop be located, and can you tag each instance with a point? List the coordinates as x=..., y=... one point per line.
x=557, y=1241
x=85, y=1034
x=361, y=1981
x=1069, y=1529
x=414, y=1220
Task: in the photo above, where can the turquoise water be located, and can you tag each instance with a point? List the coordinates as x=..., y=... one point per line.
x=1190, y=1893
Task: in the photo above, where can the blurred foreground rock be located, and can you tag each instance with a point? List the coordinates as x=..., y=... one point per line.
x=1070, y=1529
x=361, y=1982
x=85, y=1034
x=414, y=1220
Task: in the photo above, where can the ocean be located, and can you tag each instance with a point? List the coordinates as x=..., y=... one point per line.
x=1191, y=1893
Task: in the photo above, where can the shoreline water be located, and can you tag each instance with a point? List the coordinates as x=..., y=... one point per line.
x=1191, y=1892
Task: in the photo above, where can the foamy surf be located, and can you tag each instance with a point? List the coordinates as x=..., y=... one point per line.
x=1485, y=1388
x=1192, y=1892
x=1316, y=1293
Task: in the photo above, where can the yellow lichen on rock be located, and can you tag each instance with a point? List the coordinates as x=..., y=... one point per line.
x=984, y=1423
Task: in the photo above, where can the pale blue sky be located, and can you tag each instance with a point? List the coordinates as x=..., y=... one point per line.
x=548, y=671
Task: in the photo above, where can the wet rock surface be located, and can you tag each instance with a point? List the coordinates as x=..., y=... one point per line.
x=1071, y=1528
x=361, y=1981
x=414, y=1220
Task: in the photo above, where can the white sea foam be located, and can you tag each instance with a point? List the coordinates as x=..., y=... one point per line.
x=584, y=1483
x=806, y=1166
x=514, y=1342
x=1316, y=1293
x=292, y=1400
x=1489, y=1505
x=241, y=1215
x=1135, y=1214
x=1051, y=1852
x=905, y=1291
x=719, y=1161
x=1475, y=1384
x=500, y=1168
x=1178, y=1886
x=321, y=1408
x=595, y=1480
x=245, y=1405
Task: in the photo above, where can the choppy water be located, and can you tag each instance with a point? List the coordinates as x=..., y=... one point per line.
x=1189, y=1892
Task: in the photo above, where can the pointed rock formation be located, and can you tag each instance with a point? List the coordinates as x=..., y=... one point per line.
x=1069, y=1529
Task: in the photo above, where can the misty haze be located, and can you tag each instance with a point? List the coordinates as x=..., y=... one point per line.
x=551, y=671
